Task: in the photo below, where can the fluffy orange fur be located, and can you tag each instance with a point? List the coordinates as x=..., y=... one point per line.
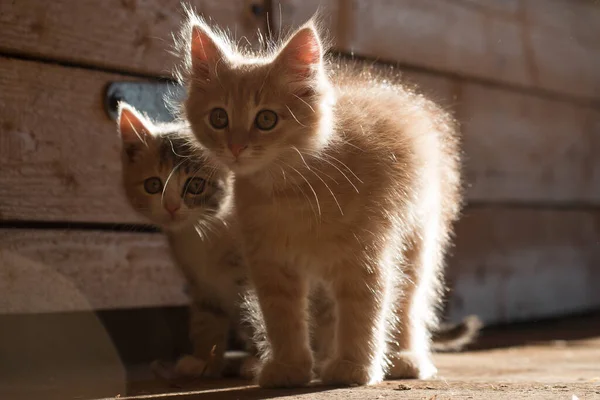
x=355, y=187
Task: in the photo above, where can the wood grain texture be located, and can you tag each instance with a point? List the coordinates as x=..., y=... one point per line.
x=128, y=35
x=550, y=45
x=59, y=152
x=517, y=264
x=519, y=147
x=507, y=265
x=48, y=271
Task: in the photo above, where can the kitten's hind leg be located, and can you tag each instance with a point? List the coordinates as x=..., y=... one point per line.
x=361, y=294
x=410, y=345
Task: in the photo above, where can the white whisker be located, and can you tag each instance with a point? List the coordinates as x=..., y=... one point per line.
x=304, y=101
x=294, y=186
x=310, y=186
x=345, y=166
x=300, y=123
x=320, y=158
x=162, y=195
x=280, y=23
x=321, y=179
x=199, y=230
x=174, y=152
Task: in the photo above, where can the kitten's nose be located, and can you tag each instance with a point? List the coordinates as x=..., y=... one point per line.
x=172, y=208
x=236, y=149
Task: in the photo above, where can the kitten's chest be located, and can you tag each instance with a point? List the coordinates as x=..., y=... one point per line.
x=289, y=225
x=291, y=202
x=188, y=250
x=281, y=215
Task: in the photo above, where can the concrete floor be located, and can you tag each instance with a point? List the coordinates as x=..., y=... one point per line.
x=555, y=360
x=557, y=370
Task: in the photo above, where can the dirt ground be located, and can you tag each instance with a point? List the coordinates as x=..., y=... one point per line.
x=557, y=360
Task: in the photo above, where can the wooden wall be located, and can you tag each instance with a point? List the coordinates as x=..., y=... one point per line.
x=68, y=240
x=522, y=76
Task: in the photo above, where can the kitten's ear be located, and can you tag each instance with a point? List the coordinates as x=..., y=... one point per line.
x=302, y=55
x=134, y=129
x=206, y=50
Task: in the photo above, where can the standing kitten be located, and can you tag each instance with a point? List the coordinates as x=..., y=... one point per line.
x=191, y=202
x=154, y=154
x=353, y=183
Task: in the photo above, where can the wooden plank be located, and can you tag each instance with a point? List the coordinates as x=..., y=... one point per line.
x=550, y=45
x=523, y=148
x=127, y=35
x=517, y=264
x=53, y=270
x=59, y=152
x=507, y=265
x=519, y=147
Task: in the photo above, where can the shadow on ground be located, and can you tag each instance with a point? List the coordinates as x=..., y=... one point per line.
x=226, y=390
x=549, y=331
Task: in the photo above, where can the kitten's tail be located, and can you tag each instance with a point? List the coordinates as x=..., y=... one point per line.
x=454, y=337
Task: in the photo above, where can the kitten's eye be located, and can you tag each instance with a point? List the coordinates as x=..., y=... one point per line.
x=194, y=186
x=218, y=118
x=153, y=185
x=266, y=120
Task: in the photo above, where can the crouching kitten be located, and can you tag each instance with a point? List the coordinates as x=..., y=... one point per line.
x=191, y=201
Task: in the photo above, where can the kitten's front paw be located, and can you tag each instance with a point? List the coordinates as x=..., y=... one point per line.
x=406, y=365
x=275, y=374
x=342, y=372
x=191, y=367
x=249, y=367
x=163, y=370
x=318, y=367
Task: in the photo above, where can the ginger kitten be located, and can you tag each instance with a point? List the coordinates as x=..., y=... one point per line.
x=352, y=182
x=191, y=201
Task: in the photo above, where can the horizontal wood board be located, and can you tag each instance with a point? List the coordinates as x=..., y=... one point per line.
x=551, y=45
x=520, y=147
x=126, y=35
x=69, y=270
x=59, y=150
x=515, y=264
x=507, y=265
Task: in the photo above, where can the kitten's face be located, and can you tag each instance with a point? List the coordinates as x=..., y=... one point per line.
x=162, y=181
x=252, y=114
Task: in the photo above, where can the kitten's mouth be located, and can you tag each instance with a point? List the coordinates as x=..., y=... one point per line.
x=234, y=163
x=176, y=224
x=175, y=220
x=238, y=165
